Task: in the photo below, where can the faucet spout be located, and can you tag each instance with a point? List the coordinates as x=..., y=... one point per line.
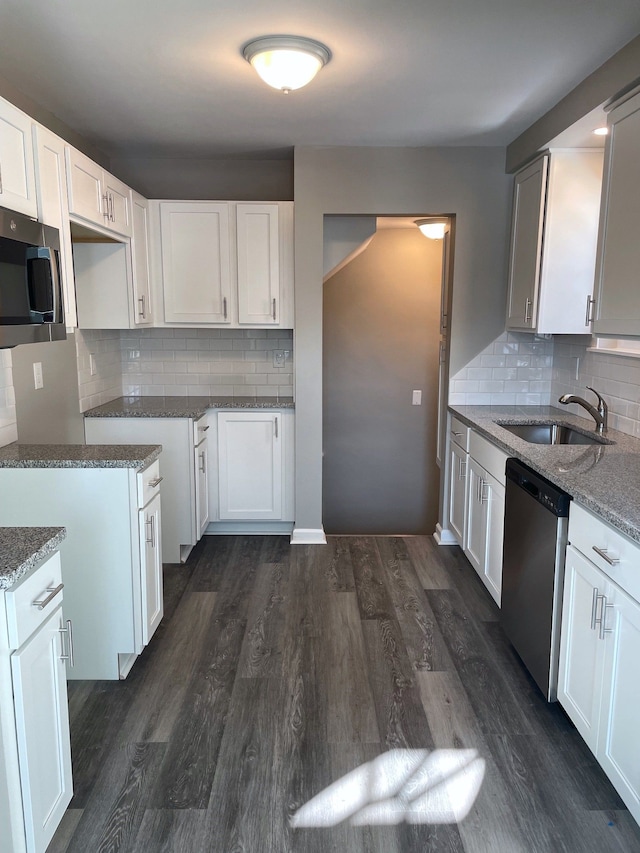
x=599, y=414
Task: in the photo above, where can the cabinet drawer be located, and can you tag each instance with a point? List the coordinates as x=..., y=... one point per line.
x=24, y=614
x=492, y=459
x=148, y=483
x=200, y=428
x=459, y=433
x=588, y=532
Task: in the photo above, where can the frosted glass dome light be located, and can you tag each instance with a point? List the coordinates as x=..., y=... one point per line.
x=286, y=62
x=434, y=229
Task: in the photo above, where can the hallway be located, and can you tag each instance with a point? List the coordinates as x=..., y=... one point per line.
x=278, y=670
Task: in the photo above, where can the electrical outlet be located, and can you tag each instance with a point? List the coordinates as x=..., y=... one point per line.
x=92, y=364
x=38, y=381
x=278, y=357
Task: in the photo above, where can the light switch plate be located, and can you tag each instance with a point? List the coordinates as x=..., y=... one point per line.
x=38, y=380
x=92, y=364
x=416, y=398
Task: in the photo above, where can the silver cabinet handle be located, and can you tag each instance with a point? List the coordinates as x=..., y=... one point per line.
x=224, y=306
x=156, y=482
x=484, y=498
x=527, y=310
x=112, y=215
x=153, y=531
x=202, y=468
x=462, y=472
x=603, y=621
x=602, y=552
x=594, y=608
x=105, y=201
x=148, y=522
x=589, y=316
x=69, y=632
x=53, y=591
x=274, y=308
x=141, y=312
x=276, y=425
x=457, y=434
x=204, y=428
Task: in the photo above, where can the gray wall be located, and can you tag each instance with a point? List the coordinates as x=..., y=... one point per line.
x=193, y=178
x=615, y=74
x=343, y=235
x=50, y=415
x=469, y=183
x=381, y=341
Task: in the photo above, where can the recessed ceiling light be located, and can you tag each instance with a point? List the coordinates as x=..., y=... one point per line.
x=286, y=62
x=601, y=131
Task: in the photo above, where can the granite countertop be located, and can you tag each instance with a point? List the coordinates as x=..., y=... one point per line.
x=78, y=455
x=21, y=548
x=604, y=478
x=182, y=407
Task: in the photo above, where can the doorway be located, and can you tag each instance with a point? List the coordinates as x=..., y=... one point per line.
x=381, y=345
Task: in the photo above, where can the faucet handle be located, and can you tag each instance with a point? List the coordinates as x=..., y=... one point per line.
x=601, y=402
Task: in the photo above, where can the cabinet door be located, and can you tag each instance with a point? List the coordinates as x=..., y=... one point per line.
x=493, y=497
x=250, y=465
x=84, y=185
x=17, y=175
x=202, y=486
x=526, y=244
x=150, y=531
x=619, y=734
x=118, y=200
x=42, y=725
x=617, y=309
x=258, y=264
x=476, y=526
x=195, y=262
x=53, y=209
x=142, y=313
x=457, y=492
x=581, y=650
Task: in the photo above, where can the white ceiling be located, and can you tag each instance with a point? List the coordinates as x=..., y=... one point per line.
x=167, y=78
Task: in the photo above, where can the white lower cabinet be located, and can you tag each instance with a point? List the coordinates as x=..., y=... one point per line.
x=35, y=750
x=150, y=532
x=598, y=684
x=112, y=584
x=201, y=463
x=458, y=468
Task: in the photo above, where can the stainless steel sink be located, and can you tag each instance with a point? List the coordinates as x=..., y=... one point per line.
x=552, y=434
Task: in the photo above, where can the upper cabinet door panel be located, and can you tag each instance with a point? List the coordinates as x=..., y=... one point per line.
x=195, y=262
x=258, y=264
x=17, y=173
x=617, y=291
x=143, y=314
x=526, y=244
x=84, y=181
x=117, y=197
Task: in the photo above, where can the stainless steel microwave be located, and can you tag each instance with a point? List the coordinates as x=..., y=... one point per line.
x=31, y=307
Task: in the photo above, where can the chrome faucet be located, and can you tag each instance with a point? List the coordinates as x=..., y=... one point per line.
x=599, y=415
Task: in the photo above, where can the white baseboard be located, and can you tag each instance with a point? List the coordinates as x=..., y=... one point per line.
x=241, y=527
x=308, y=536
x=444, y=537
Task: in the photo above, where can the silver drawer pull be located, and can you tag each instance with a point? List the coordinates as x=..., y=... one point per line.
x=69, y=632
x=156, y=482
x=457, y=434
x=594, y=608
x=53, y=591
x=203, y=429
x=602, y=552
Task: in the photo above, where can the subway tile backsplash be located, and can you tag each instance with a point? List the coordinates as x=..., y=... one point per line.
x=8, y=423
x=183, y=362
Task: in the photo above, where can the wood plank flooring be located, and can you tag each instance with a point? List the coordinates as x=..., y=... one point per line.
x=279, y=670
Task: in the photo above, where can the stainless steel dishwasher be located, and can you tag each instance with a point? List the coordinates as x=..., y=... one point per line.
x=535, y=538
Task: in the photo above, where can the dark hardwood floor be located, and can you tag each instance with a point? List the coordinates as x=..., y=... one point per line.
x=279, y=670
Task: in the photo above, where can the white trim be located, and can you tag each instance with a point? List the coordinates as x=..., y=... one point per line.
x=125, y=662
x=444, y=537
x=308, y=536
x=627, y=353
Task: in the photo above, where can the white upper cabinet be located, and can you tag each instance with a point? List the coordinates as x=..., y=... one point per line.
x=97, y=196
x=258, y=264
x=553, y=242
x=53, y=210
x=195, y=262
x=142, y=308
x=224, y=263
x=617, y=308
x=17, y=175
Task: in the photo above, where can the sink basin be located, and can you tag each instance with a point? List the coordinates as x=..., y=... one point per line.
x=552, y=434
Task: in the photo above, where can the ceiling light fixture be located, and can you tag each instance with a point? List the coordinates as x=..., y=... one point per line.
x=601, y=131
x=286, y=62
x=434, y=229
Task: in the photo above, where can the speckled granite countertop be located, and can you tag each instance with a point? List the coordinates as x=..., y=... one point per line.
x=78, y=455
x=603, y=478
x=21, y=548
x=182, y=407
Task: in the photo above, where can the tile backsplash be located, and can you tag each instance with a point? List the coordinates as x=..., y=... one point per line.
x=516, y=369
x=8, y=423
x=106, y=383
